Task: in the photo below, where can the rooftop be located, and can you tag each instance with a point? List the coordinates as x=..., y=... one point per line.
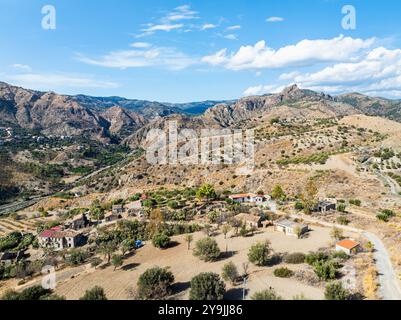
x=289, y=224
x=348, y=244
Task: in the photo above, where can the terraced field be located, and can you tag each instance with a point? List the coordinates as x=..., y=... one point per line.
x=8, y=225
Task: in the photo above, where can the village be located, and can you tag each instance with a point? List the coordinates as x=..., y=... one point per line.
x=150, y=229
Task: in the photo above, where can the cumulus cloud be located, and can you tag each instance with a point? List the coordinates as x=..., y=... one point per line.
x=378, y=71
x=304, y=53
x=155, y=56
x=49, y=81
x=274, y=19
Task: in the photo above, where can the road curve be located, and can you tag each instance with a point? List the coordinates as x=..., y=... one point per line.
x=389, y=283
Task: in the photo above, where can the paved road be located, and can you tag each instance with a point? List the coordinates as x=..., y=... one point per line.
x=389, y=283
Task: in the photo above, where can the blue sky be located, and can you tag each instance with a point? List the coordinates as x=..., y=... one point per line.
x=180, y=51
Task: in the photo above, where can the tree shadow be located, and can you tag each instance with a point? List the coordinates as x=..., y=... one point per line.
x=172, y=244
x=179, y=287
x=235, y=294
x=129, y=266
x=274, y=260
x=226, y=255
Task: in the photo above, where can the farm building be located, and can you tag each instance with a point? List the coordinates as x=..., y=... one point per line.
x=348, y=246
x=250, y=220
x=290, y=228
x=59, y=239
x=247, y=198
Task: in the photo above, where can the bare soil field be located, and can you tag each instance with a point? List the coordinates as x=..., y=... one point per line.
x=120, y=284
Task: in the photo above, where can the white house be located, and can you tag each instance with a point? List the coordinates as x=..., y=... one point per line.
x=348, y=246
x=290, y=228
x=247, y=198
x=59, y=239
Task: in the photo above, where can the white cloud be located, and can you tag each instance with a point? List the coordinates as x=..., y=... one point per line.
x=23, y=67
x=208, y=26
x=304, y=53
x=137, y=58
x=140, y=45
x=50, y=81
x=231, y=37
x=263, y=89
x=162, y=27
x=378, y=71
x=231, y=28
x=274, y=19
x=181, y=13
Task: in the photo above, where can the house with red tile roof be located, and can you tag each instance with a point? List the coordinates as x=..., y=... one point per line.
x=348, y=246
x=57, y=238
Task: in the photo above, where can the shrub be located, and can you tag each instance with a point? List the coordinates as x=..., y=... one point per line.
x=283, y=273
x=207, y=249
x=341, y=207
x=335, y=291
x=207, y=286
x=355, y=202
x=325, y=270
x=342, y=220
x=155, y=283
x=161, y=240
x=230, y=272
x=96, y=293
x=259, y=253
x=268, y=294
x=294, y=258
x=299, y=206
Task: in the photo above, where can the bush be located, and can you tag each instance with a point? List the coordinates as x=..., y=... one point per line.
x=342, y=220
x=341, y=207
x=77, y=257
x=96, y=293
x=207, y=249
x=283, y=273
x=355, y=202
x=294, y=258
x=299, y=206
x=325, y=270
x=259, y=253
x=230, y=272
x=161, y=240
x=207, y=286
x=155, y=283
x=33, y=293
x=268, y=294
x=335, y=291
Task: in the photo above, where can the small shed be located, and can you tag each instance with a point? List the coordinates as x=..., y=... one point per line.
x=290, y=228
x=348, y=246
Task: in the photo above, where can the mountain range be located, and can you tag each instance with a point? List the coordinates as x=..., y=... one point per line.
x=100, y=118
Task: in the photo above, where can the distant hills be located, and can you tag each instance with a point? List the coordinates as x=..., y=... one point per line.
x=101, y=117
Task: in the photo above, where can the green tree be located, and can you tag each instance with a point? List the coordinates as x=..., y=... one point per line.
x=117, y=261
x=225, y=229
x=206, y=191
x=341, y=207
x=188, y=239
x=155, y=283
x=336, y=291
x=325, y=270
x=336, y=233
x=127, y=245
x=230, y=272
x=309, y=197
x=207, y=286
x=161, y=240
x=207, y=249
x=268, y=294
x=94, y=294
x=278, y=193
x=259, y=253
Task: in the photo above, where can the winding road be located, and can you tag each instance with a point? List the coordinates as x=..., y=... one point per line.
x=389, y=283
